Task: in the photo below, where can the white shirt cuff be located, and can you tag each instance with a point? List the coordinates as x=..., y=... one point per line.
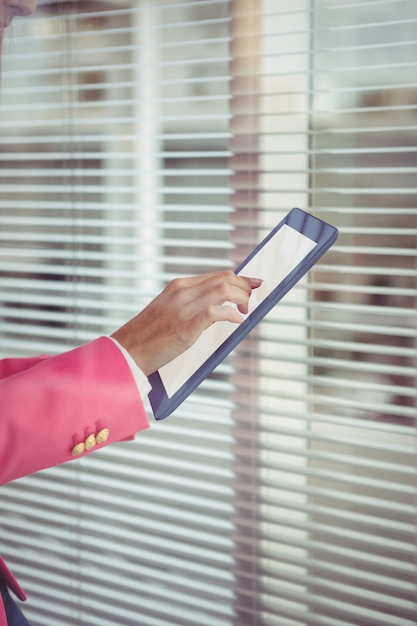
x=141, y=380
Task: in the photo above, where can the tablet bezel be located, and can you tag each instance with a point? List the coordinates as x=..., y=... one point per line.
x=323, y=234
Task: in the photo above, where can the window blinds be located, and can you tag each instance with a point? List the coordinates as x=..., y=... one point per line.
x=141, y=141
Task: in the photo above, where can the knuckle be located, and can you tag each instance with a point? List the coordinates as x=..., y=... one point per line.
x=211, y=313
x=175, y=289
x=222, y=290
x=229, y=276
x=176, y=284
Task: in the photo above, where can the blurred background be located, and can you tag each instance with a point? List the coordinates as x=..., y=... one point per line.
x=146, y=140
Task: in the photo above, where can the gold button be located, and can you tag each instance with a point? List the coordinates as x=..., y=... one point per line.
x=78, y=449
x=103, y=435
x=90, y=442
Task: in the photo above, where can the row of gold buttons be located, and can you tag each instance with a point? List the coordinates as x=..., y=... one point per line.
x=90, y=442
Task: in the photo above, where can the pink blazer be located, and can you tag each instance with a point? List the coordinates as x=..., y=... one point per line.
x=56, y=409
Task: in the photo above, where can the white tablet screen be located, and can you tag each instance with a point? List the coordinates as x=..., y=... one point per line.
x=275, y=260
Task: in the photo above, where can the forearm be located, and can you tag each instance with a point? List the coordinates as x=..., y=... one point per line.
x=66, y=406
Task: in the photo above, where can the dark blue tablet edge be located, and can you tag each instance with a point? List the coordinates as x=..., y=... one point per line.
x=324, y=234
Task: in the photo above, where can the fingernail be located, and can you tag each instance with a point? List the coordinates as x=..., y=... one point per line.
x=256, y=282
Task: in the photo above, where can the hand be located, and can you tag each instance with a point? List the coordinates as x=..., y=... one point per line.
x=175, y=319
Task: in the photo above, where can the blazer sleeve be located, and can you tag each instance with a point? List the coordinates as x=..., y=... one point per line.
x=55, y=409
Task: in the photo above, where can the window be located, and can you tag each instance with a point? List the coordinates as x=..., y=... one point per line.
x=141, y=141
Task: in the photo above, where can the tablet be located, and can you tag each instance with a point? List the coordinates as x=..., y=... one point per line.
x=281, y=259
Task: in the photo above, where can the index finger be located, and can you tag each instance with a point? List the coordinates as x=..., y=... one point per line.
x=226, y=286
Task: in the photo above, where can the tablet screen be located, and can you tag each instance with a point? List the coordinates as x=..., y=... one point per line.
x=275, y=260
